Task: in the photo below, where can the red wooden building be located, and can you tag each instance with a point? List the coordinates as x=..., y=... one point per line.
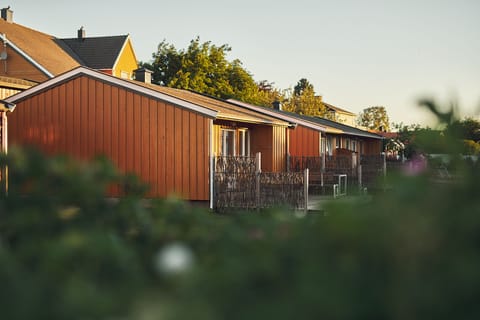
x=165, y=136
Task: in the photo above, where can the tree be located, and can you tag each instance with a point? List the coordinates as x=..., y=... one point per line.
x=468, y=129
x=304, y=101
x=203, y=67
x=302, y=85
x=374, y=118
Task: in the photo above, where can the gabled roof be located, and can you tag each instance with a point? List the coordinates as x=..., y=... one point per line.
x=289, y=117
x=328, y=126
x=37, y=47
x=337, y=109
x=226, y=110
x=95, y=52
x=129, y=85
x=343, y=127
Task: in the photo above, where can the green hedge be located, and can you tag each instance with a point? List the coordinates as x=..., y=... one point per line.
x=67, y=252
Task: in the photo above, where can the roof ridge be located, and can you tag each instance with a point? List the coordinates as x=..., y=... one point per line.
x=97, y=37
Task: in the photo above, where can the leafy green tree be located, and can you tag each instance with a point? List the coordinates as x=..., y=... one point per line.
x=304, y=101
x=203, y=67
x=302, y=85
x=468, y=129
x=374, y=118
x=471, y=147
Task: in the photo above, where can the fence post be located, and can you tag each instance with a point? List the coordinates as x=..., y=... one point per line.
x=323, y=162
x=359, y=173
x=258, y=162
x=258, y=171
x=212, y=179
x=288, y=162
x=305, y=190
x=384, y=159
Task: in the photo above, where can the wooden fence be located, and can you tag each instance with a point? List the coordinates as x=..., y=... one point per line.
x=239, y=184
x=361, y=171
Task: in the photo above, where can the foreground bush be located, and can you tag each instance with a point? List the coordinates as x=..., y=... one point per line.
x=67, y=252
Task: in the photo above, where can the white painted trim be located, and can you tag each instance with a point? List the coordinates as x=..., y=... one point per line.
x=277, y=115
x=127, y=39
x=115, y=81
x=211, y=159
x=26, y=56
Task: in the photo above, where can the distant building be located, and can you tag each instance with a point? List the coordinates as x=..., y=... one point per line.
x=35, y=56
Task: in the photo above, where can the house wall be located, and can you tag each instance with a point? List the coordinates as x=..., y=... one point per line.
x=270, y=141
x=372, y=146
x=304, y=142
x=16, y=66
x=347, y=119
x=8, y=92
x=127, y=62
x=165, y=145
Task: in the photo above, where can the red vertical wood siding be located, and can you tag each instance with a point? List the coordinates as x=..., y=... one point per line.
x=304, y=142
x=261, y=141
x=165, y=145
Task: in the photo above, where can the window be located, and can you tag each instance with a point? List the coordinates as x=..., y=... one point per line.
x=323, y=145
x=337, y=142
x=124, y=75
x=228, y=142
x=329, y=146
x=244, y=142
x=354, y=145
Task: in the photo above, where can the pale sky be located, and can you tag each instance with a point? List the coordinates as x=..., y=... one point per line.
x=356, y=53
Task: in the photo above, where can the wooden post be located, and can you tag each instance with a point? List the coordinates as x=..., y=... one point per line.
x=384, y=158
x=258, y=171
x=4, y=149
x=359, y=173
x=212, y=179
x=258, y=162
x=305, y=189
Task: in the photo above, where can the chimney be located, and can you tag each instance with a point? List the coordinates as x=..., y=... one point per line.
x=7, y=14
x=81, y=34
x=277, y=105
x=143, y=75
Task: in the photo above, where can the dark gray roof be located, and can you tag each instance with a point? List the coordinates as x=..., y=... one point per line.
x=340, y=126
x=320, y=121
x=94, y=52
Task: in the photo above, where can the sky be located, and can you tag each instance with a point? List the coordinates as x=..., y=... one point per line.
x=357, y=54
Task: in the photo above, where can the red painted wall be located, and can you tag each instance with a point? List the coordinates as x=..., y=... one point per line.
x=165, y=145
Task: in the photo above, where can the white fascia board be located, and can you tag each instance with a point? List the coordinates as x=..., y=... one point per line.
x=114, y=81
x=26, y=56
x=127, y=39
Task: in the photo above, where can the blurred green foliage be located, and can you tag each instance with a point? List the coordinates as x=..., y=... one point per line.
x=67, y=252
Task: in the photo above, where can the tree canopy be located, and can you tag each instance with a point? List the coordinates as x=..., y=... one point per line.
x=467, y=129
x=374, y=118
x=303, y=100
x=203, y=67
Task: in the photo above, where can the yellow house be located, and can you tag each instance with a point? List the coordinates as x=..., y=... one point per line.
x=35, y=56
x=341, y=115
x=113, y=55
